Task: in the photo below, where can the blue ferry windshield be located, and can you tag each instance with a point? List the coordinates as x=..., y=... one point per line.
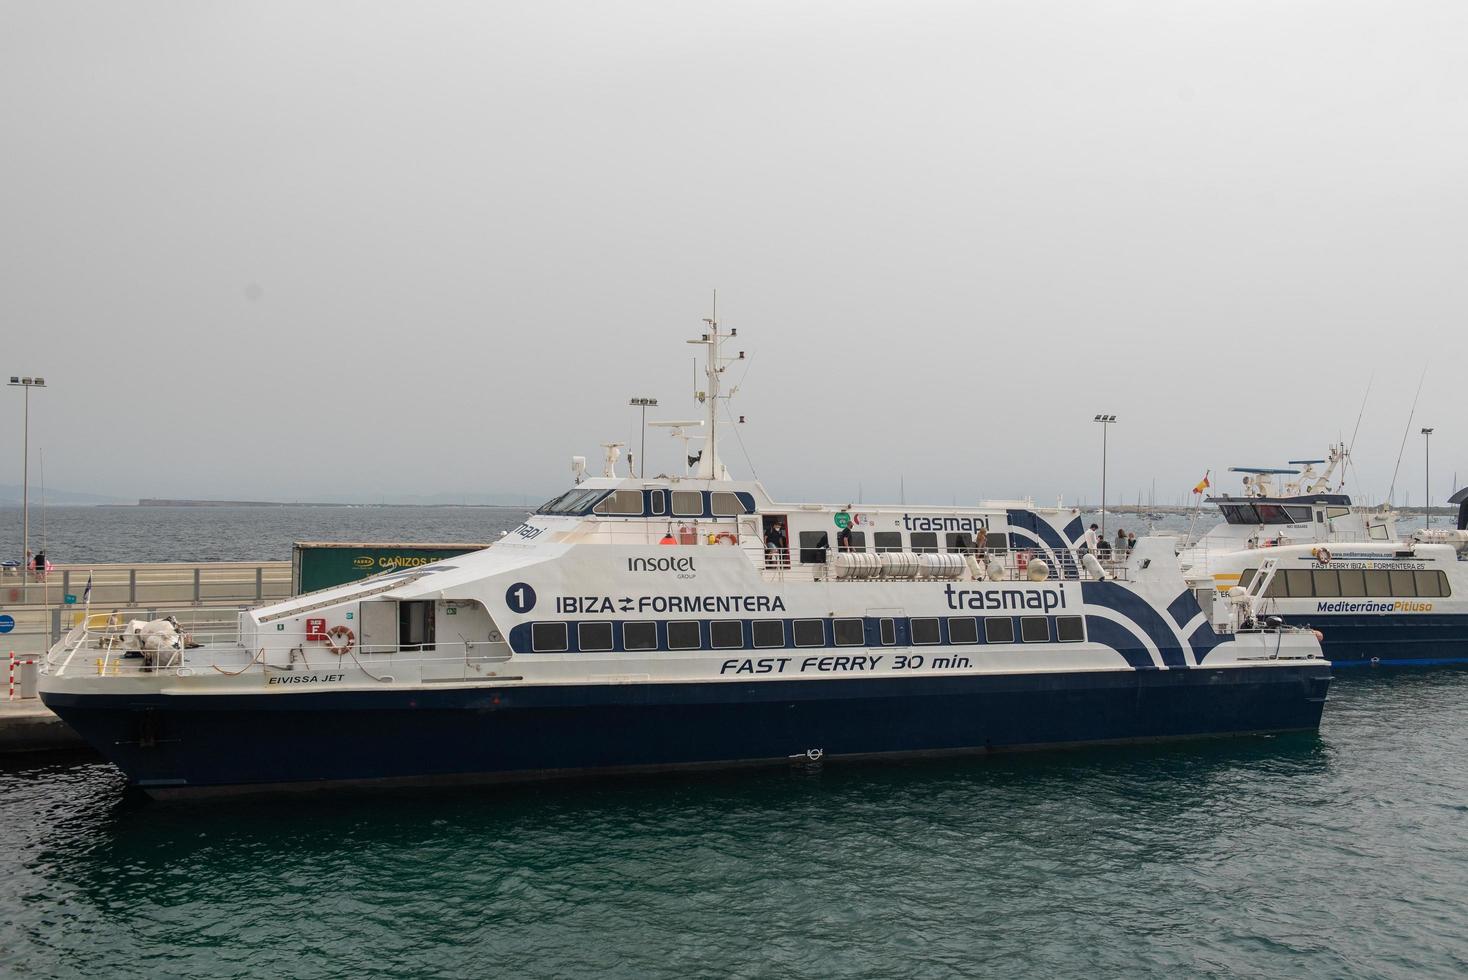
x=572, y=502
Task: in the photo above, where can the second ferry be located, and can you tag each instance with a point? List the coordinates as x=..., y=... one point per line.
x=692, y=620
x=1375, y=596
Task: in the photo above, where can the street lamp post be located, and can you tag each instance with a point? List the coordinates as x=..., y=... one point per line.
x=1106, y=422
x=644, y=404
x=1427, y=477
x=26, y=384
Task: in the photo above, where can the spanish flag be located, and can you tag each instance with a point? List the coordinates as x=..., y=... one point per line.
x=1203, y=484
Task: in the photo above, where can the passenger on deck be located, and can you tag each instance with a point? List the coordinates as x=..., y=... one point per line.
x=981, y=541
x=843, y=538
x=775, y=542
x=1088, y=543
x=1121, y=544
x=1131, y=542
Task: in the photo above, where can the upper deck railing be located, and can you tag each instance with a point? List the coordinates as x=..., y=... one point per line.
x=975, y=565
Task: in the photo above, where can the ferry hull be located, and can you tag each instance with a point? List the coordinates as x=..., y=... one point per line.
x=1394, y=641
x=175, y=745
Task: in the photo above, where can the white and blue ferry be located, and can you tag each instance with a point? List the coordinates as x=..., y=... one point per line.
x=691, y=621
x=1340, y=568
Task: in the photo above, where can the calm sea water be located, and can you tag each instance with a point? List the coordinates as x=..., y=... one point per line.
x=130, y=534
x=1339, y=855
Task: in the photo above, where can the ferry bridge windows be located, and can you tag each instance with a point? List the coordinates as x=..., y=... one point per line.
x=548, y=637
x=810, y=633
x=887, y=632
x=726, y=634
x=1070, y=629
x=924, y=541
x=963, y=630
x=887, y=540
x=722, y=503
x=657, y=502
x=687, y=503
x=768, y=632
x=1247, y=576
x=1280, y=514
x=571, y=502
x=621, y=503
x=959, y=542
x=813, y=547
x=999, y=630
x=850, y=632
x=925, y=632
x=997, y=543
x=1402, y=582
x=683, y=636
x=639, y=636
x=594, y=637
x=1034, y=629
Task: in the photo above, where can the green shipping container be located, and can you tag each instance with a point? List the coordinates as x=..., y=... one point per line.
x=322, y=564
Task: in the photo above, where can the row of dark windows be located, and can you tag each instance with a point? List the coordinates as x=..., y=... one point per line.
x=651, y=503
x=1351, y=583
x=814, y=544
x=760, y=634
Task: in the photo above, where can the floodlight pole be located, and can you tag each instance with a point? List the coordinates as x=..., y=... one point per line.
x=1427, y=477
x=26, y=384
x=1106, y=422
x=644, y=404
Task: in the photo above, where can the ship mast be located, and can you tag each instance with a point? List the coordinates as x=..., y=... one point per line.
x=709, y=466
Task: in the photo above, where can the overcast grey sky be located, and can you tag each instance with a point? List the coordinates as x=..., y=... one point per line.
x=306, y=249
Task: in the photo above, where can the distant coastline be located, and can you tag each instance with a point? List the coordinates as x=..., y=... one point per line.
x=165, y=502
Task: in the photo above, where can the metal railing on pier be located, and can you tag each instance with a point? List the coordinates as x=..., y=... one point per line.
x=43, y=609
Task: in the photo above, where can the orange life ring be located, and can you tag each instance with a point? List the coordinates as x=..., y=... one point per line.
x=724, y=537
x=344, y=648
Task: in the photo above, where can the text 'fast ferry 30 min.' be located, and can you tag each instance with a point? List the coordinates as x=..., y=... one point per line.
x=687, y=621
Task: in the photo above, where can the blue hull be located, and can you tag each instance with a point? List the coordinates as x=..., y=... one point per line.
x=172, y=745
x=1400, y=641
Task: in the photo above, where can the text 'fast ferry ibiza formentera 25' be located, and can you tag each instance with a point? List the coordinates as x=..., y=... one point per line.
x=1340, y=568
x=685, y=621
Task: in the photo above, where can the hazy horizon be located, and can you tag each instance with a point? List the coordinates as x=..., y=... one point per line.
x=281, y=251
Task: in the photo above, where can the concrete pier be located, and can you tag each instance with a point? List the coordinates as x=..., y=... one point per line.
x=29, y=726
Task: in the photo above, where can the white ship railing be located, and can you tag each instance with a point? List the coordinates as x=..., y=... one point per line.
x=106, y=650
x=787, y=564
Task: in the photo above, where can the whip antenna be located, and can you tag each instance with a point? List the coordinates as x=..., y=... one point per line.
x=1408, y=429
